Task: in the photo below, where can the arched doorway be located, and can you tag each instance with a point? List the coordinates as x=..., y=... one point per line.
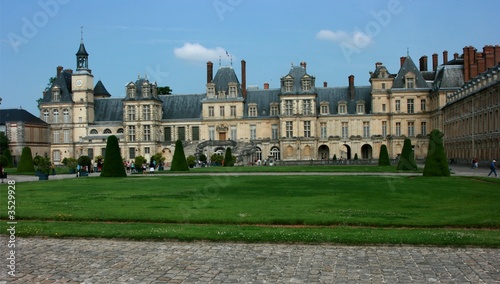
x=366, y=152
x=323, y=152
x=345, y=152
x=275, y=152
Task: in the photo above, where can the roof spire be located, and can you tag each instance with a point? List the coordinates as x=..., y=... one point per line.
x=81, y=34
x=407, y=52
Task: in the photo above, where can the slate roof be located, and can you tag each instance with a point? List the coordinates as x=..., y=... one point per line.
x=138, y=91
x=100, y=90
x=409, y=66
x=63, y=81
x=223, y=77
x=81, y=50
x=449, y=76
x=109, y=109
x=11, y=115
x=297, y=72
x=181, y=106
x=336, y=94
x=263, y=99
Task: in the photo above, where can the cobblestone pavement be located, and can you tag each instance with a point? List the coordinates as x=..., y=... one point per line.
x=45, y=260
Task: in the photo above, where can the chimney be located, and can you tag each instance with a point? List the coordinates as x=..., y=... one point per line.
x=455, y=55
x=244, y=78
x=266, y=86
x=303, y=64
x=423, y=63
x=466, y=64
x=480, y=64
x=434, y=62
x=351, y=86
x=210, y=71
x=59, y=70
x=497, y=54
x=445, y=56
x=489, y=56
x=402, y=60
x=325, y=84
x=377, y=64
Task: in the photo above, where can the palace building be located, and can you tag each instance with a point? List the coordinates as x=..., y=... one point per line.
x=300, y=120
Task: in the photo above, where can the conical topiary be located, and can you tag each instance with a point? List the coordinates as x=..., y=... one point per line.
x=26, y=161
x=436, y=163
x=383, y=158
x=179, y=162
x=407, y=161
x=228, y=158
x=113, y=163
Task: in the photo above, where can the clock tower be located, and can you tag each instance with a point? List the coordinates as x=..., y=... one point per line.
x=82, y=85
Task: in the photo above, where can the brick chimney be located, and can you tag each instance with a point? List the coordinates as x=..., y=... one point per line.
x=351, y=86
x=210, y=71
x=423, y=63
x=434, y=62
x=489, y=56
x=497, y=54
x=59, y=70
x=402, y=60
x=455, y=55
x=445, y=56
x=244, y=78
x=480, y=63
x=325, y=84
x=466, y=64
x=266, y=86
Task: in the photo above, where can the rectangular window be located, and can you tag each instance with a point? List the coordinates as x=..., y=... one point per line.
x=222, y=111
x=195, y=132
x=131, y=113
x=366, y=129
x=384, y=129
x=307, y=129
x=345, y=130
x=323, y=133
x=56, y=136
x=383, y=86
x=181, y=133
x=234, y=133
x=411, y=128
x=410, y=106
x=66, y=116
x=131, y=153
x=398, y=105
x=306, y=107
x=423, y=128
x=383, y=108
x=324, y=109
x=167, y=133
x=57, y=156
x=342, y=109
x=211, y=133
x=398, y=128
x=210, y=111
x=361, y=108
x=422, y=105
x=146, y=112
x=103, y=152
x=252, y=111
x=146, y=150
x=275, y=111
x=288, y=85
x=289, y=129
x=410, y=83
x=131, y=133
x=274, y=132
x=233, y=110
x=147, y=132
x=253, y=132
x=66, y=135
x=288, y=107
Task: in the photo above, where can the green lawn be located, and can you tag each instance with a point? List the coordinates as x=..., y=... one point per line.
x=352, y=209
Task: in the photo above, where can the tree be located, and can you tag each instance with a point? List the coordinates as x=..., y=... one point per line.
x=179, y=162
x=4, y=143
x=203, y=158
x=113, y=162
x=26, y=161
x=139, y=161
x=8, y=156
x=383, y=158
x=407, y=161
x=42, y=164
x=164, y=90
x=84, y=161
x=191, y=161
x=436, y=163
x=228, y=158
x=216, y=159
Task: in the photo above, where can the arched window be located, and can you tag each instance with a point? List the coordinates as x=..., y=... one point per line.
x=56, y=94
x=120, y=130
x=258, y=153
x=93, y=131
x=46, y=114
x=56, y=116
x=275, y=152
x=66, y=116
x=107, y=131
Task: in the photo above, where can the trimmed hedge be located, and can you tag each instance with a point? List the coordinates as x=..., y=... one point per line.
x=407, y=161
x=228, y=158
x=383, y=158
x=113, y=162
x=26, y=161
x=436, y=163
x=179, y=163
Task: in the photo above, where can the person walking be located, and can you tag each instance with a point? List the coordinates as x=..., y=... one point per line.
x=493, y=168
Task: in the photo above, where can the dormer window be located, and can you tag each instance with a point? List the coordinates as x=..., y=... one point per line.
x=383, y=73
x=324, y=108
x=288, y=84
x=342, y=108
x=275, y=110
x=210, y=90
x=56, y=94
x=306, y=84
x=131, y=91
x=145, y=90
x=252, y=110
x=360, y=107
x=221, y=94
x=232, y=90
x=155, y=90
x=410, y=81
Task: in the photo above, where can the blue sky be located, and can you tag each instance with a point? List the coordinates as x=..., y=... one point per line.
x=171, y=41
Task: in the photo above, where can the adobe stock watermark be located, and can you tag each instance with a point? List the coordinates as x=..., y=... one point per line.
x=223, y=6
x=31, y=25
x=156, y=74
x=362, y=38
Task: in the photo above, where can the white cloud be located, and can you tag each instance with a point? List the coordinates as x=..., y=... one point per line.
x=356, y=38
x=197, y=52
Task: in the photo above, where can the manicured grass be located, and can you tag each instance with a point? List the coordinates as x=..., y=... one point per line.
x=312, y=168
x=352, y=209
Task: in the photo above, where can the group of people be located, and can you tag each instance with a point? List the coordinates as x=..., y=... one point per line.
x=131, y=167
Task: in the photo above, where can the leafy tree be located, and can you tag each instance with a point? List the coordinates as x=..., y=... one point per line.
x=407, y=161
x=139, y=161
x=191, y=161
x=158, y=158
x=4, y=143
x=84, y=161
x=203, y=158
x=179, y=162
x=113, y=162
x=216, y=159
x=42, y=164
x=436, y=163
x=164, y=90
x=8, y=156
x=228, y=158
x=383, y=158
x=26, y=161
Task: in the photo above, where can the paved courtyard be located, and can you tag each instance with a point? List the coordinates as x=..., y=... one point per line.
x=45, y=260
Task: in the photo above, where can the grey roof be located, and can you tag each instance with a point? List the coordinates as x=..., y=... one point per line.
x=7, y=115
x=63, y=81
x=336, y=94
x=181, y=106
x=449, y=76
x=263, y=99
x=409, y=66
x=100, y=90
x=297, y=72
x=223, y=77
x=138, y=91
x=108, y=109
x=81, y=50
